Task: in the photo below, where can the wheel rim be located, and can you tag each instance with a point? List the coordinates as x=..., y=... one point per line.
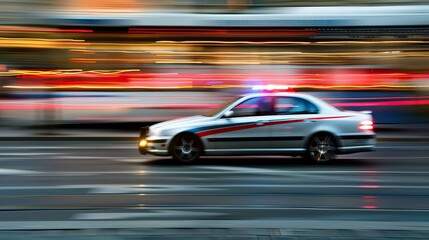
x=186, y=148
x=322, y=148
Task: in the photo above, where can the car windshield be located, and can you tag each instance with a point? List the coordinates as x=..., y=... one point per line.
x=222, y=107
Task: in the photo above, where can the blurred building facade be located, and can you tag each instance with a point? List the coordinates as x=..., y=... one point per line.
x=224, y=46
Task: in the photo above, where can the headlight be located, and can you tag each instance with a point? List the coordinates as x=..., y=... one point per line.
x=142, y=143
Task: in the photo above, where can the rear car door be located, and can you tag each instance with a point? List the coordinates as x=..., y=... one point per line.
x=292, y=122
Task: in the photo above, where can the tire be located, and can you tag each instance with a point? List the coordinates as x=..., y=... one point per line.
x=321, y=148
x=186, y=148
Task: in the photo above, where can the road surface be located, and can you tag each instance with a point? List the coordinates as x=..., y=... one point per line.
x=57, y=185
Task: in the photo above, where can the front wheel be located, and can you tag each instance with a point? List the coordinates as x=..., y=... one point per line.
x=186, y=148
x=321, y=148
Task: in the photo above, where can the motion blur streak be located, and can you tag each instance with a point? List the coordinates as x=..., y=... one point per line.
x=80, y=80
x=135, y=78
x=8, y=106
x=40, y=29
x=369, y=207
x=369, y=186
x=383, y=104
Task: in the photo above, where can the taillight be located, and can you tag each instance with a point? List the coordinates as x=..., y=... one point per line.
x=366, y=125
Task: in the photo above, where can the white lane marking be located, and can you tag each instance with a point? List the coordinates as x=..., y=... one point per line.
x=153, y=214
x=210, y=224
x=112, y=189
x=319, y=175
x=6, y=171
x=131, y=160
x=280, y=173
x=28, y=154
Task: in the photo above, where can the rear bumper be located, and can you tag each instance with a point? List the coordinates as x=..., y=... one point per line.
x=356, y=149
x=357, y=143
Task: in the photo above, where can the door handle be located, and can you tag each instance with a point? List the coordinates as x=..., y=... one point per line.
x=310, y=120
x=260, y=123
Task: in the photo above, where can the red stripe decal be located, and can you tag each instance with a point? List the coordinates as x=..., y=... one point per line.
x=254, y=125
x=226, y=129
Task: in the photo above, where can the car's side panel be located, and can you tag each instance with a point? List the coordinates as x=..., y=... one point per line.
x=291, y=134
x=239, y=133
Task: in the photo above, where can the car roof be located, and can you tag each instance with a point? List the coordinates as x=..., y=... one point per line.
x=286, y=94
x=320, y=103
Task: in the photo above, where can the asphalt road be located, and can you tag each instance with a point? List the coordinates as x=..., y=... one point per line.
x=94, y=185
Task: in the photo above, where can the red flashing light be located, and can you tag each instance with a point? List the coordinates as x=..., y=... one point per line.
x=272, y=88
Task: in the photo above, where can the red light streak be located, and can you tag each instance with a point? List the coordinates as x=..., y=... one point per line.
x=369, y=199
x=137, y=79
x=370, y=186
x=205, y=31
x=151, y=118
x=382, y=104
x=370, y=207
x=369, y=202
x=105, y=106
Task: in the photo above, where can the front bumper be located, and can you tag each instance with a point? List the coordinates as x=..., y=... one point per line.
x=156, y=145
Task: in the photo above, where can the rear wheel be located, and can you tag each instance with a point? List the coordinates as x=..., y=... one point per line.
x=321, y=148
x=186, y=148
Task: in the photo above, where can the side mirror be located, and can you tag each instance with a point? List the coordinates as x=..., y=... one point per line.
x=228, y=114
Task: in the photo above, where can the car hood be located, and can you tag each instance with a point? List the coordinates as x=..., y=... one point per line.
x=180, y=122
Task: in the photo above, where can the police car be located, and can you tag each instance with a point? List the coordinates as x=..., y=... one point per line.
x=267, y=123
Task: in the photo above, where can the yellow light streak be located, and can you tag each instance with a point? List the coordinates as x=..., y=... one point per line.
x=70, y=71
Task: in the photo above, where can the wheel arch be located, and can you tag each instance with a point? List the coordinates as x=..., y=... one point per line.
x=336, y=137
x=183, y=133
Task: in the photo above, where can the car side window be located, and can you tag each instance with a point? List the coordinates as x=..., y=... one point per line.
x=253, y=107
x=293, y=105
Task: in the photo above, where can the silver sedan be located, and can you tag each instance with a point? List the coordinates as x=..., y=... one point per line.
x=263, y=124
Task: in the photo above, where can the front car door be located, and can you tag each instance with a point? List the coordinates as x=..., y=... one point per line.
x=245, y=130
